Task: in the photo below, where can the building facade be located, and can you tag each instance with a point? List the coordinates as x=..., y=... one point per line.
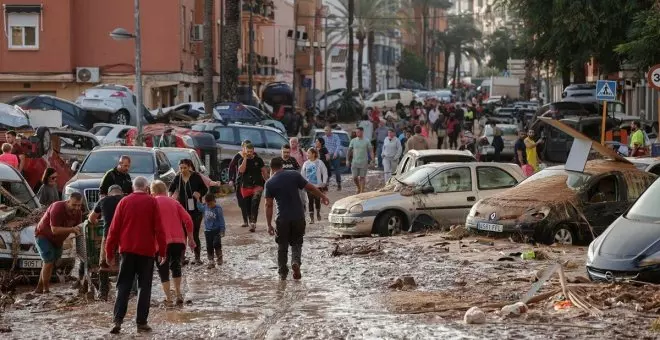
x=413, y=40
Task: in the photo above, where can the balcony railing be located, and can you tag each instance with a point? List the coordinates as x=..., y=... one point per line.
x=263, y=65
x=264, y=8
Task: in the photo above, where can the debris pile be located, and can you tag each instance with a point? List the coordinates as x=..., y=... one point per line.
x=405, y=282
x=364, y=249
x=457, y=232
x=19, y=223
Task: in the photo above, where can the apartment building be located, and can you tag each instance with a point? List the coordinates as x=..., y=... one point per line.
x=413, y=40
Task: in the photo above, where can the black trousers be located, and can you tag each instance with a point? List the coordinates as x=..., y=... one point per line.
x=174, y=253
x=197, y=223
x=289, y=233
x=133, y=265
x=241, y=204
x=252, y=206
x=453, y=140
x=313, y=201
x=213, y=243
x=441, y=140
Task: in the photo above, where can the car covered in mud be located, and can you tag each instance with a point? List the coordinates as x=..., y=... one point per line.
x=648, y=164
x=562, y=206
x=20, y=213
x=630, y=247
x=439, y=193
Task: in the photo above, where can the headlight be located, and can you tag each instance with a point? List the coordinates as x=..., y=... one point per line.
x=591, y=251
x=68, y=191
x=356, y=209
x=651, y=260
x=3, y=245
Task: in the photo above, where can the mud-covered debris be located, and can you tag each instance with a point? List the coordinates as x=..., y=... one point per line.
x=5, y=329
x=457, y=233
x=579, y=279
x=356, y=250
x=474, y=315
x=484, y=242
x=541, y=255
x=404, y=283
x=655, y=325
x=514, y=309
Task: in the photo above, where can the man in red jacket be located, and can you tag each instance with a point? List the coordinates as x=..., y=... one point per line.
x=137, y=230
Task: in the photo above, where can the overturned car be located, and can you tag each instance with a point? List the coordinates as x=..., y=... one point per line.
x=20, y=212
x=562, y=206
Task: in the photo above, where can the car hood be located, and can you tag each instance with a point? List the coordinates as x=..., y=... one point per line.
x=628, y=238
x=26, y=235
x=93, y=179
x=369, y=200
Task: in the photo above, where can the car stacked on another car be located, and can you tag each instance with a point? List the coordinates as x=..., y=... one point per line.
x=110, y=134
x=114, y=104
x=437, y=194
x=151, y=163
x=73, y=116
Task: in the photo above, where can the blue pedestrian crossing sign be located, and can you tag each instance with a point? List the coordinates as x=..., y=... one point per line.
x=606, y=90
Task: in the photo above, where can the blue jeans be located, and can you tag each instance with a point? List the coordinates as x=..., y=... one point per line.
x=379, y=151
x=336, y=168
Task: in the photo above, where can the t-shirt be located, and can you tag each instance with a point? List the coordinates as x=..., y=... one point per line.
x=360, y=148
x=57, y=215
x=106, y=206
x=311, y=172
x=284, y=187
x=520, y=146
x=637, y=138
x=10, y=159
x=214, y=219
x=17, y=149
x=368, y=128
x=290, y=164
x=252, y=176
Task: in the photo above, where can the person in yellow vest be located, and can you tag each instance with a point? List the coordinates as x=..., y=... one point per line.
x=532, y=156
x=637, y=141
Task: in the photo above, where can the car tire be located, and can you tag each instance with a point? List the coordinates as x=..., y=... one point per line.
x=43, y=133
x=561, y=234
x=388, y=223
x=121, y=117
x=224, y=171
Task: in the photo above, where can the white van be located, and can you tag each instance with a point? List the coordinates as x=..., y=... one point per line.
x=388, y=99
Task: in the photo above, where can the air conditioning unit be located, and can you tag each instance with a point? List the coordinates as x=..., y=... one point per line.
x=198, y=32
x=87, y=75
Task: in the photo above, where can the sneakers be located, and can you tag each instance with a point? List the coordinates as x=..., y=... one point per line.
x=219, y=260
x=116, y=329
x=253, y=227
x=143, y=328
x=311, y=218
x=211, y=265
x=318, y=216
x=296, y=271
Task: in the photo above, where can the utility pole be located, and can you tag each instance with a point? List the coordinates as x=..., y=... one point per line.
x=138, y=73
x=251, y=49
x=221, y=68
x=325, y=64
x=295, y=49
x=314, y=50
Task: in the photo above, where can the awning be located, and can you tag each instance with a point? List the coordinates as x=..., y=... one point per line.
x=23, y=8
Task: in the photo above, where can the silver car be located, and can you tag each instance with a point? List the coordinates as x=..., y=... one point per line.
x=113, y=103
x=436, y=194
x=509, y=135
x=174, y=155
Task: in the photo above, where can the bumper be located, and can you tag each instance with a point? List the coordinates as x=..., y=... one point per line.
x=351, y=225
x=651, y=274
x=507, y=228
x=31, y=266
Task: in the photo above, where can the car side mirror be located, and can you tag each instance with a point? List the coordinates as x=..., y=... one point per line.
x=428, y=190
x=75, y=166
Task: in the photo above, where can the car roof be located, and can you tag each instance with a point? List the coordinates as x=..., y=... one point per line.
x=238, y=124
x=433, y=152
x=125, y=148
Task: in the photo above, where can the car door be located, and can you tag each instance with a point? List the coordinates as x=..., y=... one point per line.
x=275, y=142
x=162, y=160
x=453, y=195
x=603, y=206
x=228, y=140
x=393, y=98
x=257, y=138
x=492, y=180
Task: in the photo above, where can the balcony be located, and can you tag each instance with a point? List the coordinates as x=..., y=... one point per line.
x=263, y=12
x=264, y=66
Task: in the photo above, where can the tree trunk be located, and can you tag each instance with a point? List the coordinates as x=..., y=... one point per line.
x=231, y=45
x=457, y=65
x=425, y=29
x=349, y=62
x=579, y=73
x=208, y=57
x=371, y=42
x=360, y=60
x=565, y=75
x=445, y=71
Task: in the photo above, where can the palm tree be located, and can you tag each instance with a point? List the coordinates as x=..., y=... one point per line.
x=208, y=57
x=349, y=66
x=230, y=45
x=460, y=39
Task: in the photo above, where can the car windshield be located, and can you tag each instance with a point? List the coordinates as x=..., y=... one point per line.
x=176, y=156
x=445, y=159
x=417, y=176
x=20, y=192
x=646, y=207
x=574, y=180
x=102, y=161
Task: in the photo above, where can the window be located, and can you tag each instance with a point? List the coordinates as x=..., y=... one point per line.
x=655, y=170
x=227, y=135
x=452, y=180
x=275, y=140
x=100, y=131
x=161, y=159
x=379, y=98
x=605, y=190
x=100, y=161
x=122, y=133
x=64, y=107
x=23, y=30
x=253, y=135
x=395, y=96
x=489, y=178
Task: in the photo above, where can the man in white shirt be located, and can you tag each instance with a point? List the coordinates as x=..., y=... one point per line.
x=391, y=153
x=433, y=117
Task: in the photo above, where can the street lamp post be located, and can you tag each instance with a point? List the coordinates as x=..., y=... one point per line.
x=123, y=34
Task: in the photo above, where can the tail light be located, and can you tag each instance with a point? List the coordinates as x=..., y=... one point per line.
x=118, y=94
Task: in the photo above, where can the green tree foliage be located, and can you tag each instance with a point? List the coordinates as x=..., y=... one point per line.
x=502, y=45
x=462, y=38
x=642, y=49
x=412, y=67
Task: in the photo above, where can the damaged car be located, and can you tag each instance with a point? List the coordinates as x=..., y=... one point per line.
x=562, y=206
x=441, y=193
x=20, y=212
x=630, y=247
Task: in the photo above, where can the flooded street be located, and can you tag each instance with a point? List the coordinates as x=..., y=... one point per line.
x=339, y=297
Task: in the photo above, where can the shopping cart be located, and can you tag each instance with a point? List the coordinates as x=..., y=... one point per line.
x=88, y=251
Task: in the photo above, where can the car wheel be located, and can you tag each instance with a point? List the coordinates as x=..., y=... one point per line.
x=121, y=117
x=224, y=171
x=389, y=223
x=563, y=235
x=43, y=133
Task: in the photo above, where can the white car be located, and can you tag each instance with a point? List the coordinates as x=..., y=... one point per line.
x=113, y=103
x=388, y=99
x=110, y=134
x=26, y=260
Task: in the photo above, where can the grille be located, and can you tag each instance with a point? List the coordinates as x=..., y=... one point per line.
x=338, y=211
x=92, y=196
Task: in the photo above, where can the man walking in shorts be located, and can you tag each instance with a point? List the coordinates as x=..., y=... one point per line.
x=360, y=152
x=283, y=187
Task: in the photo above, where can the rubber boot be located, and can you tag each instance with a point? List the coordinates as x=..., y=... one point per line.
x=311, y=217
x=218, y=256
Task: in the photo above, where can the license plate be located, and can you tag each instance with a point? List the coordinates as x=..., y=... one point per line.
x=30, y=264
x=490, y=227
x=336, y=219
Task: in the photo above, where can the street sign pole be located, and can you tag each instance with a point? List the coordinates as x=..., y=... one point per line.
x=653, y=78
x=605, y=91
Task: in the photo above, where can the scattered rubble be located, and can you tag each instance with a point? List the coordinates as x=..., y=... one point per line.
x=404, y=283
x=474, y=315
x=457, y=232
x=514, y=309
x=348, y=249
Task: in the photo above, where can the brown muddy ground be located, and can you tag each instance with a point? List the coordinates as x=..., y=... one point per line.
x=348, y=296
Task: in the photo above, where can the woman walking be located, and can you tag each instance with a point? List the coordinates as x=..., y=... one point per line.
x=172, y=215
x=188, y=188
x=252, y=171
x=319, y=144
x=235, y=181
x=48, y=192
x=315, y=172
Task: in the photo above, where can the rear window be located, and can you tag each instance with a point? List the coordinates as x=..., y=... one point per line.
x=20, y=101
x=100, y=131
x=445, y=159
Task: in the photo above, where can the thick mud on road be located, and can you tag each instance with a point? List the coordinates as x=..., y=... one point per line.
x=339, y=297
